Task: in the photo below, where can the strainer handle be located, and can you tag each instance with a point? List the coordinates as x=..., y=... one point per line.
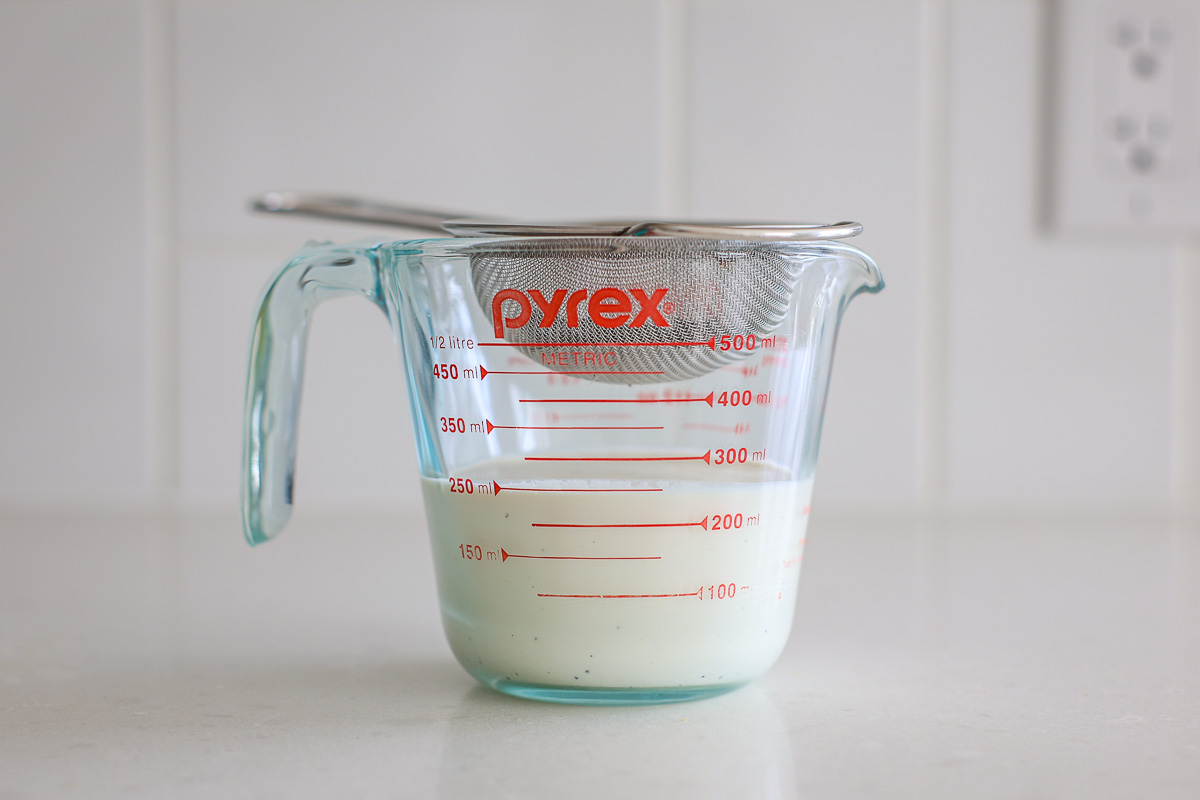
x=277, y=348
x=353, y=209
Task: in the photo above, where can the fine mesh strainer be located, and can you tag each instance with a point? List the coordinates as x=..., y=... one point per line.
x=657, y=301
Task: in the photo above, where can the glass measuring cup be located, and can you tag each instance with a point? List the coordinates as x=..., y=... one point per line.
x=617, y=511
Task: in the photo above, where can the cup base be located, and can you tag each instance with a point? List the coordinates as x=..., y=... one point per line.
x=592, y=696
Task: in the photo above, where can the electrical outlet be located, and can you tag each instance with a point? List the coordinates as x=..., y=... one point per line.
x=1127, y=144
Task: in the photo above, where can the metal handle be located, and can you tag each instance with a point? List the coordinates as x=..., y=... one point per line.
x=353, y=209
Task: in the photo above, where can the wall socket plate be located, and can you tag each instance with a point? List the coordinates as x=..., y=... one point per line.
x=1126, y=147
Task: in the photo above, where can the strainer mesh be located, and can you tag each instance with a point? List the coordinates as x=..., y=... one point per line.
x=714, y=289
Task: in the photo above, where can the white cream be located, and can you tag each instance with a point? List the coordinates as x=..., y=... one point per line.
x=529, y=600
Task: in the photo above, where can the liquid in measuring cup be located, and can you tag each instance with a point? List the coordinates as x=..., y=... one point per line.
x=583, y=586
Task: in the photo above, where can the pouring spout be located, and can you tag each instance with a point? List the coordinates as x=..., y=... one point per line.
x=858, y=271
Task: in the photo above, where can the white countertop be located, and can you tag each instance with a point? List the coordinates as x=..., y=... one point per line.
x=163, y=657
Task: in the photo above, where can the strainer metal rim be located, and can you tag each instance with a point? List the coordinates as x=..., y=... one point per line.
x=724, y=231
x=357, y=209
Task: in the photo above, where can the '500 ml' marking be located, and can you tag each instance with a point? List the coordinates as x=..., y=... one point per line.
x=738, y=342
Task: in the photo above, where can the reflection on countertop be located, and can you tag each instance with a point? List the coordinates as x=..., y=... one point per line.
x=141, y=656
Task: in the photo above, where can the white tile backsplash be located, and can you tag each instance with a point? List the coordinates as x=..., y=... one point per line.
x=522, y=109
x=1059, y=350
x=516, y=109
x=1058, y=374
x=791, y=120
x=217, y=295
x=74, y=322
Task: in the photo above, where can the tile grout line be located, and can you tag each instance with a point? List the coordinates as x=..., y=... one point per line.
x=674, y=185
x=1185, y=372
x=158, y=80
x=932, y=309
x=932, y=373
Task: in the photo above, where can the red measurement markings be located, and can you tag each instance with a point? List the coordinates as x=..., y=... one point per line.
x=791, y=562
x=497, y=488
x=711, y=344
x=741, y=427
x=483, y=373
x=708, y=399
x=491, y=427
x=505, y=556
x=555, y=416
x=701, y=524
x=623, y=596
x=706, y=458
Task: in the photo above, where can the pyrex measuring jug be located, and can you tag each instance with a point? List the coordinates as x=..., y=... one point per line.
x=617, y=432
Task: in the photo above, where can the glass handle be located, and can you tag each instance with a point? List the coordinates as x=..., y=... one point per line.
x=316, y=273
